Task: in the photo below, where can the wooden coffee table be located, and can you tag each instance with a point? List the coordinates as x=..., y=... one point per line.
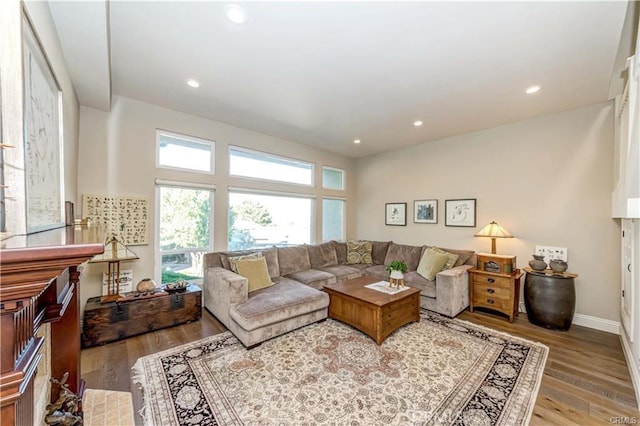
x=374, y=313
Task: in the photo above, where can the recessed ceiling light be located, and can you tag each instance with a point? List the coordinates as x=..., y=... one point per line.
x=532, y=89
x=193, y=83
x=357, y=141
x=236, y=14
x=417, y=123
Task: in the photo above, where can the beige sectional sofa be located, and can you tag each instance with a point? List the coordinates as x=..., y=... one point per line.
x=299, y=274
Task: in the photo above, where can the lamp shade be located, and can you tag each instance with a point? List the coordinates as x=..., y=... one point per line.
x=494, y=230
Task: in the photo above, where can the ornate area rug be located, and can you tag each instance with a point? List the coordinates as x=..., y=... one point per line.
x=439, y=371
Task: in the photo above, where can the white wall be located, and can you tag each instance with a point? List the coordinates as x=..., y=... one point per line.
x=117, y=157
x=548, y=181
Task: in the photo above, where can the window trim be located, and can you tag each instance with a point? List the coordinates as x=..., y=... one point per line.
x=159, y=183
x=275, y=156
x=194, y=139
x=344, y=178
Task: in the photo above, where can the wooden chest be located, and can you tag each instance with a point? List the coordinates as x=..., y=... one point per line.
x=107, y=322
x=500, y=264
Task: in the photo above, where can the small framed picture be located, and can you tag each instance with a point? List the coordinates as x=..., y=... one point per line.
x=425, y=211
x=395, y=214
x=460, y=212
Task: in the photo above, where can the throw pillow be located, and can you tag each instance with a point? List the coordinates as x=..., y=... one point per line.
x=255, y=270
x=431, y=263
x=452, y=257
x=359, y=252
x=233, y=261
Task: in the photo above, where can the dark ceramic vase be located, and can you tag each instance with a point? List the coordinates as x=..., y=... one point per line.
x=558, y=265
x=538, y=263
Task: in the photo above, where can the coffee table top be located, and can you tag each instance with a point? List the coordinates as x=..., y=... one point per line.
x=356, y=288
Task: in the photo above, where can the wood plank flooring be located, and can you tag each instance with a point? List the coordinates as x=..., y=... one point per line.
x=586, y=380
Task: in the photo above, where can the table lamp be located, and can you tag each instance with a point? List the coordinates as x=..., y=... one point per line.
x=114, y=253
x=493, y=231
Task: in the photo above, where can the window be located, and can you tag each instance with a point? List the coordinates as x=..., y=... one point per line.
x=184, y=152
x=258, y=165
x=263, y=220
x=333, y=219
x=184, y=229
x=332, y=178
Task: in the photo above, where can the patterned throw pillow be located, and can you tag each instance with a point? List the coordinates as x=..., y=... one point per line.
x=233, y=261
x=452, y=257
x=359, y=252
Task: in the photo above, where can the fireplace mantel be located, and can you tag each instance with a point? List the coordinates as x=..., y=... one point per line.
x=39, y=283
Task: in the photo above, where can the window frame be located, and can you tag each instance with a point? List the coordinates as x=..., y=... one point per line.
x=344, y=178
x=254, y=191
x=274, y=156
x=344, y=217
x=193, y=139
x=161, y=183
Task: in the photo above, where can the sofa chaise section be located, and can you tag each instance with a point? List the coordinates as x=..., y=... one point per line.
x=265, y=313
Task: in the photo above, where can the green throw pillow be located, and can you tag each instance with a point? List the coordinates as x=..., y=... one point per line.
x=431, y=263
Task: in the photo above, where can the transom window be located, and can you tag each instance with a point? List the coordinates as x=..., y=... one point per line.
x=177, y=151
x=260, y=165
x=332, y=178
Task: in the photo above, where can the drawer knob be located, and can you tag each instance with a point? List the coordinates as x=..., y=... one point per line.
x=490, y=301
x=490, y=291
x=491, y=280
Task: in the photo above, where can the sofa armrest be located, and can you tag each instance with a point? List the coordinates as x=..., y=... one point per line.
x=223, y=288
x=452, y=290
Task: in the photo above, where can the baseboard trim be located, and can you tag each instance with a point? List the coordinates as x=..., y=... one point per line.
x=597, y=323
x=633, y=371
x=589, y=321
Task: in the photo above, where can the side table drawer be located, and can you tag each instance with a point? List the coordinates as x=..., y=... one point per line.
x=494, y=281
x=491, y=291
x=493, y=302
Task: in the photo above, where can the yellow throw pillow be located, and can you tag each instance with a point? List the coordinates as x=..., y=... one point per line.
x=359, y=252
x=255, y=270
x=431, y=263
x=452, y=257
x=233, y=261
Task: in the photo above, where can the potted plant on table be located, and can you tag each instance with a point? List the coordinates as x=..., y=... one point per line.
x=396, y=270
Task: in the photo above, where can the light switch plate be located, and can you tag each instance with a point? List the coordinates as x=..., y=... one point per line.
x=551, y=253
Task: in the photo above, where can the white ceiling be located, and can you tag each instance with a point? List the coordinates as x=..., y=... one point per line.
x=326, y=73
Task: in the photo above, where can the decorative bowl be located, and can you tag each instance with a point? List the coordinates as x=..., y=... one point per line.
x=176, y=286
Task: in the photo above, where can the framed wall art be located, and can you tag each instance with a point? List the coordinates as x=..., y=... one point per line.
x=395, y=214
x=126, y=218
x=42, y=137
x=425, y=211
x=460, y=212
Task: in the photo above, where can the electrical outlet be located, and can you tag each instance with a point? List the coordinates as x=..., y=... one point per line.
x=551, y=253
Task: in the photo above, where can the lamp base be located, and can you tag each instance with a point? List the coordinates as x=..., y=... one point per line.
x=110, y=298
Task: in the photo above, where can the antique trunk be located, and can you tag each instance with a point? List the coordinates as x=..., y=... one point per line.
x=107, y=322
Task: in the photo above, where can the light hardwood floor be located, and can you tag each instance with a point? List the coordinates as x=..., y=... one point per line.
x=586, y=380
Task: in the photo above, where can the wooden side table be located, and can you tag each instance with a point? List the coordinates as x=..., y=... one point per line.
x=550, y=298
x=498, y=292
